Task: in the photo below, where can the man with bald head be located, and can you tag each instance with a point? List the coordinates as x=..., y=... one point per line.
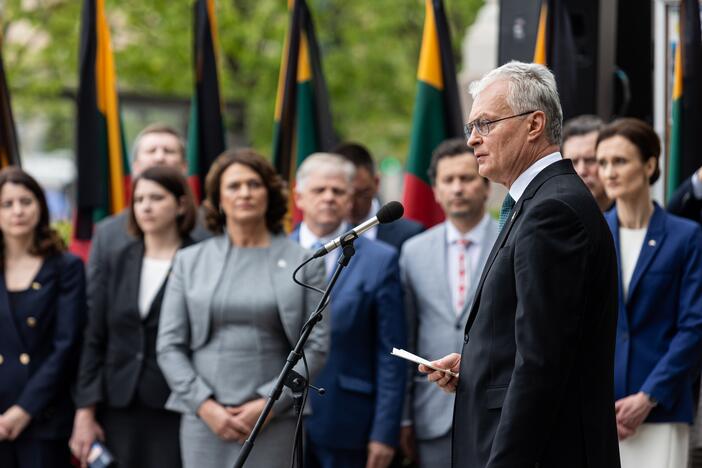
x=536, y=372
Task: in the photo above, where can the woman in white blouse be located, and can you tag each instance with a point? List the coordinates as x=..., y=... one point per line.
x=659, y=327
x=121, y=392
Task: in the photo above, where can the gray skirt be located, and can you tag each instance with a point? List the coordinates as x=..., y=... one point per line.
x=201, y=448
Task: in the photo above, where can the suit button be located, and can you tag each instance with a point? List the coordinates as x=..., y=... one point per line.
x=465, y=338
x=139, y=356
x=2, y=359
x=24, y=358
x=31, y=322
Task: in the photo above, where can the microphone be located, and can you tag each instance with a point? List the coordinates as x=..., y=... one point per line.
x=390, y=212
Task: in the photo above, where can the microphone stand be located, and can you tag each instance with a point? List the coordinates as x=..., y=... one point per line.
x=284, y=378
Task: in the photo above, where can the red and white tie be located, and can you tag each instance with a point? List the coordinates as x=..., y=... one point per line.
x=462, y=283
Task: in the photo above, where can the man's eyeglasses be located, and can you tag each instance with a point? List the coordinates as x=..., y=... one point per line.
x=482, y=126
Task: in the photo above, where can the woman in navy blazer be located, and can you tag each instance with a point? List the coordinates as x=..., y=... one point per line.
x=659, y=329
x=42, y=309
x=121, y=392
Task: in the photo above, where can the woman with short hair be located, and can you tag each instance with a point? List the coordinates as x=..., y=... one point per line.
x=659, y=328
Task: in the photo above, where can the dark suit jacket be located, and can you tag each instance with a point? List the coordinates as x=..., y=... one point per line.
x=398, y=232
x=40, y=383
x=536, y=385
x=364, y=383
x=659, y=331
x=683, y=202
x=111, y=236
x=118, y=363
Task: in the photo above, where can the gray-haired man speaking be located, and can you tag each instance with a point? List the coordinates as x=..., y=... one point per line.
x=536, y=369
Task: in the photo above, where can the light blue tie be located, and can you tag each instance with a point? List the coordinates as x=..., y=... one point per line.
x=507, y=205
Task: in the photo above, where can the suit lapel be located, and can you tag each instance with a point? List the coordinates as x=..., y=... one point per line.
x=131, y=277
x=557, y=168
x=473, y=287
x=441, y=269
x=6, y=320
x=655, y=235
x=613, y=222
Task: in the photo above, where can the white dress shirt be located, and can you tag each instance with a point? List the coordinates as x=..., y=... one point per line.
x=153, y=274
x=520, y=184
x=476, y=236
x=308, y=240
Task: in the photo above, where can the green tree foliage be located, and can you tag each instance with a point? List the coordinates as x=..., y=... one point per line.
x=370, y=57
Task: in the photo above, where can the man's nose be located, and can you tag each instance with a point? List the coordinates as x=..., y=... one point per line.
x=474, y=138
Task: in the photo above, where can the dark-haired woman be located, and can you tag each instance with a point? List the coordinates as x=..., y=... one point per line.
x=659, y=329
x=42, y=311
x=121, y=392
x=231, y=315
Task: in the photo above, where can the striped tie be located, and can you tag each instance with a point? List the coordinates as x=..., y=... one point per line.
x=507, y=205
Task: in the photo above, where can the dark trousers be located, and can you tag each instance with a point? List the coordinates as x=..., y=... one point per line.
x=33, y=453
x=142, y=437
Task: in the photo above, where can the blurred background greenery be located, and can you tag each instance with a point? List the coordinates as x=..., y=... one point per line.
x=370, y=50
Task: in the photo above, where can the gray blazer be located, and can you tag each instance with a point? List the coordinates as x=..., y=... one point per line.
x=434, y=328
x=186, y=315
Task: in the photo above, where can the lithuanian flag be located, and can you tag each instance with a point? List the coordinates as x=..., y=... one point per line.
x=206, y=128
x=9, y=148
x=100, y=154
x=555, y=48
x=303, y=122
x=685, y=138
x=437, y=114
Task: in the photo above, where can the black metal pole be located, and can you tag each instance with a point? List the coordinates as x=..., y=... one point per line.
x=347, y=252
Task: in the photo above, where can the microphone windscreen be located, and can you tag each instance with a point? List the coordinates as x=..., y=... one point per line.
x=390, y=212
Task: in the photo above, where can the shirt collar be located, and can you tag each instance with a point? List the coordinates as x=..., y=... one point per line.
x=522, y=182
x=308, y=238
x=475, y=235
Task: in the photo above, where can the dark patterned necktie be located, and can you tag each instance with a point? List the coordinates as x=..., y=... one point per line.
x=507, y=205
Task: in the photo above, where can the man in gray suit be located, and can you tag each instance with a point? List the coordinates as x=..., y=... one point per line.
x=440, y=269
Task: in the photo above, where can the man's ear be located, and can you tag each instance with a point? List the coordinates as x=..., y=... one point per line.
x=537, y=125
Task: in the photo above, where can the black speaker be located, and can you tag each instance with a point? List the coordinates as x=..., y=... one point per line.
x=581, y=52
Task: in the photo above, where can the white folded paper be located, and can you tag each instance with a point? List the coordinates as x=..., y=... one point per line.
x=401, y=353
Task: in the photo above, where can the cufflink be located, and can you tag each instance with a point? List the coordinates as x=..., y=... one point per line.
x=2, y=359
x=36, y=285
x=31, y=322
x=24, y=358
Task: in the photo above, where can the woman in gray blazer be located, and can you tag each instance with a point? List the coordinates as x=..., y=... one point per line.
x=231, y=314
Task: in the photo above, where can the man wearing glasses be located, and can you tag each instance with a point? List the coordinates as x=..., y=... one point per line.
x=535, y=385
x=579, y=142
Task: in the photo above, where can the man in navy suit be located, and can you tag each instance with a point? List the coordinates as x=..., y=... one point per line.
x=357, y=422
x=365, y=198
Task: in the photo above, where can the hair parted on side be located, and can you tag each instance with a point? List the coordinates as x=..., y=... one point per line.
x=175, y=183
x=641, y=135
x=329, y=163
x=275, y=187
x=47, y=241
x=581, y=125
x=530, y=87
x=157, y=128
x=447, y=149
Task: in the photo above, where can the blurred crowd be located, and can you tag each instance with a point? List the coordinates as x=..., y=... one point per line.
x=165, y=346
